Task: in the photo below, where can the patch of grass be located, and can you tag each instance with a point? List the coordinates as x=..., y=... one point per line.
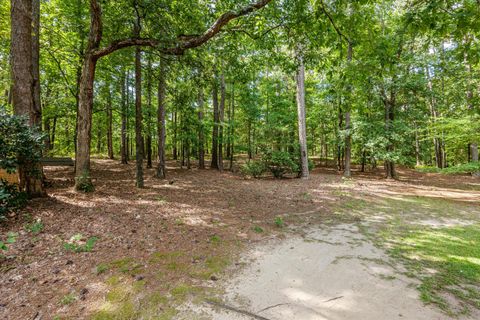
x=279, y=222
x=34, y=227
x=215, y=239
x=101, y=268
x=182, y=291
x=162, y=257
x=447, y=261
x=68, y=299
x=117, y=294
x=78, y=244
x=127, y=265
x=258, y=229
x=113, y=280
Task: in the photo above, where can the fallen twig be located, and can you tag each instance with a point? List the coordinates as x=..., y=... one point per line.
x=244, y=312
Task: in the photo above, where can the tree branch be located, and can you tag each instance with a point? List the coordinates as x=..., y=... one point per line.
x=193, y=42
x=339, y=32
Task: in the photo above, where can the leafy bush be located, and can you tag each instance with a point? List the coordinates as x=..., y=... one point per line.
x=280, y=163
x=20, y=145
x=34, y=227
x=471, y=167
x=253, y=168
x=10, y=198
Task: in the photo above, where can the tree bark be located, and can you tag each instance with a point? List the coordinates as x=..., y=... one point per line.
x=161, y=171
x=123, y=144
x=201, y=135
x=302, y=132
x=348, y=138
x=149, y=115
x=25, y=90
x=232, y=129
x=138, y=119
x=221, y=116
x=109, y=124
x=214, y=163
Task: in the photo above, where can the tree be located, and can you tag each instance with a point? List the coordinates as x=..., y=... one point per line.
x=25, y=80
x=302, y=131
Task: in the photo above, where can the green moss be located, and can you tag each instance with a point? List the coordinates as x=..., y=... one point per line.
x=113, y=280
x=68, y=299
x=181, y=292
x=101, y=268
x=117, y=294
x=160, y=257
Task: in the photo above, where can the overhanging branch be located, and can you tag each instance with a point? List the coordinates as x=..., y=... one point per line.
x=193, y=42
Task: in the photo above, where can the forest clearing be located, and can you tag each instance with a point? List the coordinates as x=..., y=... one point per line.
x=179, y=240
x=239, y=159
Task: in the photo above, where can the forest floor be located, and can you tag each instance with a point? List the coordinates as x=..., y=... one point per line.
x=205, y=244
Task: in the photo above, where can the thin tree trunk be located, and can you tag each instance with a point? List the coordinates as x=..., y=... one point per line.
x=221, y=113
x=417, y=146
x=46, y=129
x=138, y=119
x=161, y=172
x=302, y=132
x=54, y=127
x=175, y=123
x=124, y=145
x=149, y=114
x=109, y=124
x=348, y=139
x=201, y=136
x=214, y=163
x=232, y=130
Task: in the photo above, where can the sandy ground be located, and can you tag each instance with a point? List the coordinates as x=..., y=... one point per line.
x=332, y=273
x=328, y=274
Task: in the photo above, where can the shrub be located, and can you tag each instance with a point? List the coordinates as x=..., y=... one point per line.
x=10, y=198
x=253, y=168
x=20, y=145
x=280, y=163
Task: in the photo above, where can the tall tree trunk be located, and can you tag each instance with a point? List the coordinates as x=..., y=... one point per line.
x=249, y=141
x=389, y=118
x=161, y=172
x=214, y=163
x=36, y=115
x=302, y=132
x=109, y=124
x=221, y=116
x=83, y=180
x=348, y=138
x=201, y=135
x=123, y=144
x=175, y=124
x=23, y=81
x=138, y=119
x=232, y=129
x=149, y=114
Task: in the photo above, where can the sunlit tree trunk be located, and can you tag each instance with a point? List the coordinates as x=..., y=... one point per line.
x=348, y=137
x=302, y=132
x=109, y=124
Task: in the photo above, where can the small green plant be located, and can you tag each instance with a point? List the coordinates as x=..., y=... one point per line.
x=76, y=244
x=10, y=198
x=11, y=238
x=215, y=239
x=253, y=168
x=279, y=222
x=34, y=227
x=68, y=299
x=258, y=229
x=101, y=268
x=83, y=183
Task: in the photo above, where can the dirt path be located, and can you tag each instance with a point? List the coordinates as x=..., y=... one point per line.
x=331, y=273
